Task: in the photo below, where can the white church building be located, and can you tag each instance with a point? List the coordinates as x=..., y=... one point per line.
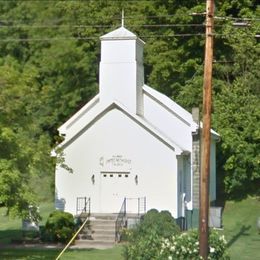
x=131, y=142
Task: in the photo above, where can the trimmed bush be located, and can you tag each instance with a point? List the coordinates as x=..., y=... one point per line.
x=144, y=241
x=59, y=227
x=161, y=223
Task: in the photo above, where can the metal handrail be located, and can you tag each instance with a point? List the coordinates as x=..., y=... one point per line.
x=141, y=205
x=86, y=205
x=120, y=221
x=121, y=216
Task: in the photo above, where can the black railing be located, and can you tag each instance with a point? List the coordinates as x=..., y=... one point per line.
x=83, y=205
x=120, y=221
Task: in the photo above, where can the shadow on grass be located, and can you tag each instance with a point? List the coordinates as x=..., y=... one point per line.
x=7, y=235
x=8, y=249
x=32, y=254
x=241, y=232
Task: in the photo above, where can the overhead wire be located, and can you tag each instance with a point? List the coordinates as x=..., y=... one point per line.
x=146, y=17
x=70, y=0
x=236, y=18
x=98, y=37
x=96, y=26
x=94, y=37
x=10, y=24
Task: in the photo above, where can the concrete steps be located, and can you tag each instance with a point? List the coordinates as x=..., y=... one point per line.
x=97, y=244
x=101, y=232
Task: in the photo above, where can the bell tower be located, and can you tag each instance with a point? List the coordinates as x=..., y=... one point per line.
x=121, y=72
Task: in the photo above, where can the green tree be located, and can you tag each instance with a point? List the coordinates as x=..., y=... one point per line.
x=237, y=111
x=25, y=149
x=49, y=54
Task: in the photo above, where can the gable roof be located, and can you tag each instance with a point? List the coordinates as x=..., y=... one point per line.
x=175, y=109
x=101, y=111
x=94, y=110
x=170, y=105
x=78, y=115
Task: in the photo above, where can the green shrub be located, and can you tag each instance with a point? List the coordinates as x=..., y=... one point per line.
x=59, y=227
x=186, y=246
x=158, y=237
x=145, y=247
x=144, y=240
x=161, y=223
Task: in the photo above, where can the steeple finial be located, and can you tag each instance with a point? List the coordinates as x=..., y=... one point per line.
x=123, y=18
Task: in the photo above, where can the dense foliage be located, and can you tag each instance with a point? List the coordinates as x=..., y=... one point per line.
x=144, y=240
x=158, y=237
x=24, y=146
x=162, y=223
x=186, y=246
x=49, y=57
x=59, y=227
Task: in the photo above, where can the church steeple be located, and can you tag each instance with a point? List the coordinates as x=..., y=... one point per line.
x=121, y=69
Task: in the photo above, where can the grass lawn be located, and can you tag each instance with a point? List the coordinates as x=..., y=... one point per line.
x=239, y=221
x=31, y=254
x=11, y=229
x=49, y=254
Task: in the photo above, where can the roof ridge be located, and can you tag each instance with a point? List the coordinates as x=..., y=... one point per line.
x=145, y=124
x=120, y=33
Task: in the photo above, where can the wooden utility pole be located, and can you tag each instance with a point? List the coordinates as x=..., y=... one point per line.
x=205, y=159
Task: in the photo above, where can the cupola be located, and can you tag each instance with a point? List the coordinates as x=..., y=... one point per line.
x=121, y=72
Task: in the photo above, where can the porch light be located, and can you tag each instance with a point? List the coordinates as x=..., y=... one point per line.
x=136, y=179
x=93, y=179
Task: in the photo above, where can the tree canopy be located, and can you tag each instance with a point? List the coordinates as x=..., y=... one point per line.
x=49, y=57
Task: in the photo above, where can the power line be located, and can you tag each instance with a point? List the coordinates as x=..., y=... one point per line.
x=99, y=26
x=98, y=37
x=47, y=39
x=119, y=17
x=54, y=26
x=94, y=38
x=168, y=25
x=228, y=17
x=147, y=17
x=96, y=26
x=236, y=18
x=69, y=1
